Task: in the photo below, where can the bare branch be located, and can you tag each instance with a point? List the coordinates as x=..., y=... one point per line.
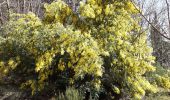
x=2, y=3
x=162, y=34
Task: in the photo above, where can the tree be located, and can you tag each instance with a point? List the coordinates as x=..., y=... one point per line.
x=159, y=24
x=83, y=48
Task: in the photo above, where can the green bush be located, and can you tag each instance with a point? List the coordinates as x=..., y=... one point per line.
x=70, y=94
x=161, y=77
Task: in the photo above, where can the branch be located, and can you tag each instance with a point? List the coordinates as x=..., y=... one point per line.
x=150, y=22
x=2, y=3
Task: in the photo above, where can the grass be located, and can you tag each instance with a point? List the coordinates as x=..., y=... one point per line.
x=161, y=95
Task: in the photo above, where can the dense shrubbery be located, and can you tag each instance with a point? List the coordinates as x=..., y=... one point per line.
x=160, y=77
x=93, y=48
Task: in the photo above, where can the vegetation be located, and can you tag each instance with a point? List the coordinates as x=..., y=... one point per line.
x=70, y=94
x=96, y=48
x=160, y=77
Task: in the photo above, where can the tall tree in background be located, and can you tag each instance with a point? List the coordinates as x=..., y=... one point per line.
x=161, y=45
x=155, y=14
x=156, y=40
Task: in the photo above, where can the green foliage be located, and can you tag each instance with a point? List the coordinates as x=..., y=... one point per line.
x=70, y=94
x=161, y=77
x=98, y=41
x=161, y=95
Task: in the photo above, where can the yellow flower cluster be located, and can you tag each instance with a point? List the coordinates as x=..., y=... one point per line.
x=57, y=11
x=163, y=81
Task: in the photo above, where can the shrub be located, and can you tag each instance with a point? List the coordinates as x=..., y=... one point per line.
x=70, y=94
x=161, y=77
x=66, y=48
